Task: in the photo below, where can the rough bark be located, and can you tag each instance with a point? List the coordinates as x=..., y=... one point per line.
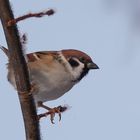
x=21, y=73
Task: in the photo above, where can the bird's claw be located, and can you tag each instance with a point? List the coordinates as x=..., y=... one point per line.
x=52, y=112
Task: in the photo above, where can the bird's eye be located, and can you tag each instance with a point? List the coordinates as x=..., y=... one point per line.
x=73, y=62
x=82, y=59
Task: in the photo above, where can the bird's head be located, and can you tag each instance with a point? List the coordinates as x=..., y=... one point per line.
x=79, y=62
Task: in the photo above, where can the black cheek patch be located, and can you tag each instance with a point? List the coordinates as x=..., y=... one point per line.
x=73, y=62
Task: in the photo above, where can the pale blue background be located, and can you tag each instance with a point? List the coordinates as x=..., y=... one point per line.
x=106, y=104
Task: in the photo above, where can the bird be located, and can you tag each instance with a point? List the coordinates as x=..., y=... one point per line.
x=53, y=73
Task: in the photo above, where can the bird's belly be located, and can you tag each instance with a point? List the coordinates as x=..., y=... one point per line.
x=48, y=86
x=51, y=88
x=49, y=92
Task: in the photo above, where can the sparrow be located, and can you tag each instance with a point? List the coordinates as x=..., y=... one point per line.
x=53, y=73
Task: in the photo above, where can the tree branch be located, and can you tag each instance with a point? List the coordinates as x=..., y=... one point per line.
x=21, y=74
x=29, y=15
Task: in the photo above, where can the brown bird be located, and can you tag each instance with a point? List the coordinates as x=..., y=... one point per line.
x=53, y=73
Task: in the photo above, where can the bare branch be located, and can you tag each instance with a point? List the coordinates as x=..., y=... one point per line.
x=30, y=15
x=21, y=73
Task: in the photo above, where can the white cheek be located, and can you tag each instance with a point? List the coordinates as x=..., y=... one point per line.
x=76, y=72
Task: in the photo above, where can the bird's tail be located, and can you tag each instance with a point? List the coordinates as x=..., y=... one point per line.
x=5, y=50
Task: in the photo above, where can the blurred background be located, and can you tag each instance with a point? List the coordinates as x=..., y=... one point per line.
x=106, y=104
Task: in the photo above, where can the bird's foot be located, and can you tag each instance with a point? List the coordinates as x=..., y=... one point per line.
x=51, y=111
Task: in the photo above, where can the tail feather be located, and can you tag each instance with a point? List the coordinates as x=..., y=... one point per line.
x=5, y=50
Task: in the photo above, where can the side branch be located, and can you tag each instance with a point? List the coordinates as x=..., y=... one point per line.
x=37, y=15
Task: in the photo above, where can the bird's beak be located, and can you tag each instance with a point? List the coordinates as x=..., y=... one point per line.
x=92, y=66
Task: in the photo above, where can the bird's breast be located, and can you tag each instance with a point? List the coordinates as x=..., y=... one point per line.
x=51, y=85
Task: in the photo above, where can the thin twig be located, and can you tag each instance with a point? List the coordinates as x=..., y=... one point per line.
x=30, y=15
